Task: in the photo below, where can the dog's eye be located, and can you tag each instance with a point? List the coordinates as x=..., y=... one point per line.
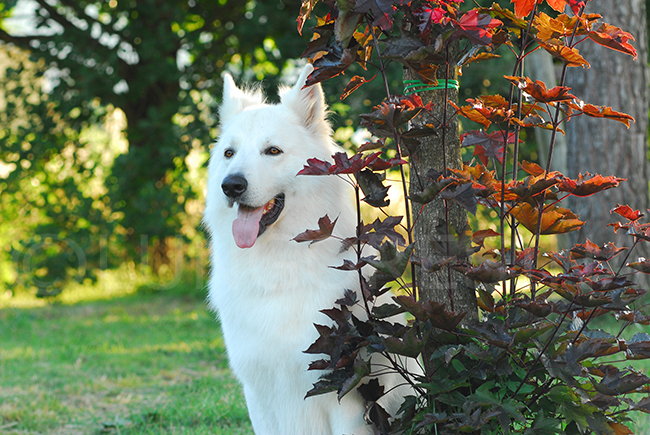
x=228, y=153
x=272, y=151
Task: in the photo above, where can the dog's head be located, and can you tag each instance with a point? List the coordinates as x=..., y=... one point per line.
x=261, y=149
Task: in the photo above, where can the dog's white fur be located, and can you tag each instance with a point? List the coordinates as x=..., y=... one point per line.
x=268, y=296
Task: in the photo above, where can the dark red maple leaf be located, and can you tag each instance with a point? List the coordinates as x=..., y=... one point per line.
x=592, y=250
x=381, y=10
x=324, y=231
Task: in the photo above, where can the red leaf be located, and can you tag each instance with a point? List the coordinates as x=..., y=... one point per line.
x=524, y=7
x=478, y=27
x=324, y=231
x=612, y=37
x=557, y=5
x=332, y=64
x=601, y=112
x=486, y=110
x=627, y=212
x=487, y=145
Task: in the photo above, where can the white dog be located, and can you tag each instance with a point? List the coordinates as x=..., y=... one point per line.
x=266, y=288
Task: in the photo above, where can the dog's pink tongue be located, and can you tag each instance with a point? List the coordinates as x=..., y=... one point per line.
x=246, y=226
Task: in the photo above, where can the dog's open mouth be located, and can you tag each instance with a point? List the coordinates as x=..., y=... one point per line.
x=251, y=222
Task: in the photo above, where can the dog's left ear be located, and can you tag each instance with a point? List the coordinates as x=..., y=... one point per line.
x=307, y=102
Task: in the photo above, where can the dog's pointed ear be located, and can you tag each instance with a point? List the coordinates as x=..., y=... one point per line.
x=307, y=102
x=235, y=100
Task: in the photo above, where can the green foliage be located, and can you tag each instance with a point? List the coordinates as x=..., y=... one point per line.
x=534, y=363
x=84, y=203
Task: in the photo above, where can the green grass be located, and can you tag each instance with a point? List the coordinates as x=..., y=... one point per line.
x=107, y=361
x=143, y=363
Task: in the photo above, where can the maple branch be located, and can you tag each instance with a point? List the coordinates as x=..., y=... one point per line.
x=409, y=231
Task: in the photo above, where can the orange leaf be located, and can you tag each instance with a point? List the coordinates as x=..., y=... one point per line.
x=569, y=55
x=555, y=220
x=486, y=109
x=479, y=236
x=557, y=5
x=585, y=186
x=532, y=168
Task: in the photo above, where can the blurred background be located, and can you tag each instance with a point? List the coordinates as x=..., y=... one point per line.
x=107, y=111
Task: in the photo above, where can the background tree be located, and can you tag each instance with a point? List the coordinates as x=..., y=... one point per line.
x=610, y=148
x=158, y=63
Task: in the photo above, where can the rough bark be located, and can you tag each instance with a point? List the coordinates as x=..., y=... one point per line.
x=446, y=286
x=607, y=147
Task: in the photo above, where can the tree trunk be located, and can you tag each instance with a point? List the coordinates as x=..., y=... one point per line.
x=607, y=147
x=446, y=286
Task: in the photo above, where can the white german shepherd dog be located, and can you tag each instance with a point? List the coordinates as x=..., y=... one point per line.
x=266, y=288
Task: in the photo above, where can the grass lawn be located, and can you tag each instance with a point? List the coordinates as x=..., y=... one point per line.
x=144, y=363
x=106, y=361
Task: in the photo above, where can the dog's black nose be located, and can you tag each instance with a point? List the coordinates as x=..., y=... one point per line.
x=234, y=185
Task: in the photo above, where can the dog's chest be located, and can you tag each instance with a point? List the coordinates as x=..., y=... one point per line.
x=268, y=307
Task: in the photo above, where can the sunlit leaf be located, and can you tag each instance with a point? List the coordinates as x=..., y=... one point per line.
x=612, y=37
x=524, y=7
x=627, y=212
x=537, y=90
x=306, y=8
x=354, y=84
x=555, y=220
x=532, y=168
x=569, y=55
x=588, y=184
x=601, y=112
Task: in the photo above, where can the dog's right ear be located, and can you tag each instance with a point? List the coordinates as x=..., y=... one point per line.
x=308, y=103
x=235, y=100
